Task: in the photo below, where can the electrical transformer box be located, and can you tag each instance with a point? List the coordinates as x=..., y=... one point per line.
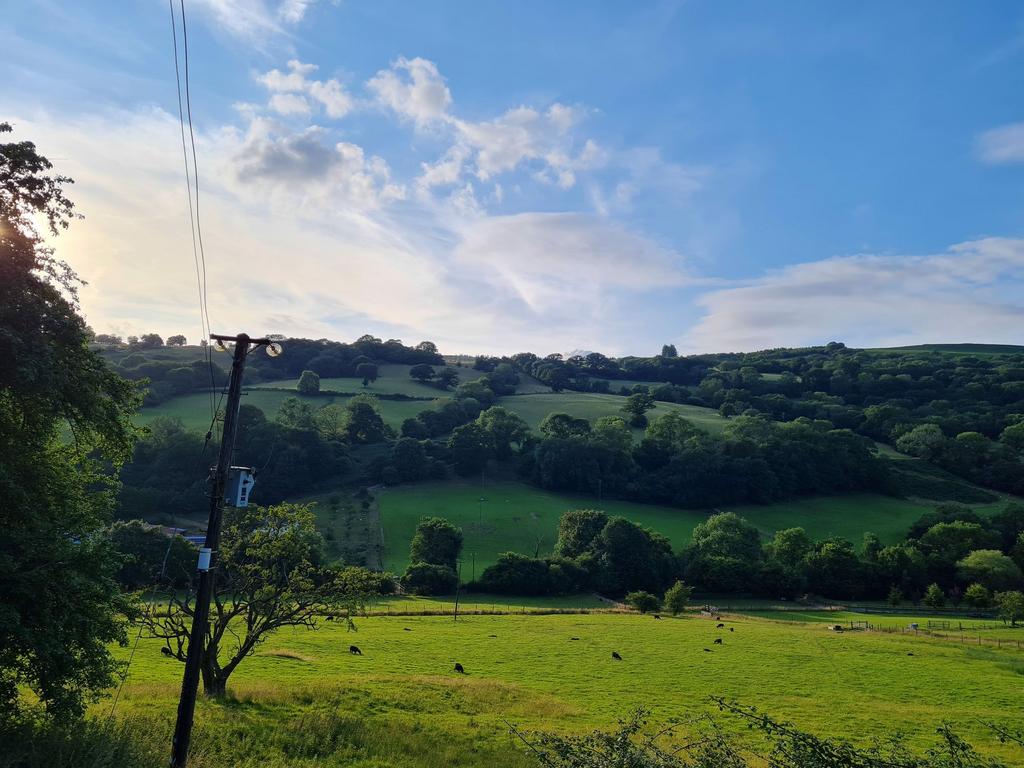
x=239, y=485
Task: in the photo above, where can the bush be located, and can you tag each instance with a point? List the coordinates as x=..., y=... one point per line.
x=429, y=579
x=644, y=602
x=309, y=383
x=677, y=597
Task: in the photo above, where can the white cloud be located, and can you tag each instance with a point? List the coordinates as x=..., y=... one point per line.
x=414, y=89
x=254, y=20
x=303, y=169
x=565, y=262
x=1002, y=145
x=287, y=89
x=289, y=104
x=973, y=291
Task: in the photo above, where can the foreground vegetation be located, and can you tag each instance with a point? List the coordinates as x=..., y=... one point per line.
x=305, y=700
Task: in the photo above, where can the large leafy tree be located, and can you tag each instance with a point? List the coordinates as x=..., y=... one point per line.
x=65, y=420
x=269, y=575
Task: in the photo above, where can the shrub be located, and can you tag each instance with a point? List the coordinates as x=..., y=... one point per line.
x=429, y=579
x=644, y=602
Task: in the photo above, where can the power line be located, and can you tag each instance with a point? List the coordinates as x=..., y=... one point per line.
x=198, y=253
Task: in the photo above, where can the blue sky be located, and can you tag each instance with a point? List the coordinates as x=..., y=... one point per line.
x=544, y=176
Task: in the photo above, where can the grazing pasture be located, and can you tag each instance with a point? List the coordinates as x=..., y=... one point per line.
x=305, y=699
x=521, y=518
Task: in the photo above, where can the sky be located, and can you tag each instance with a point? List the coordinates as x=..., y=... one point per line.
x=501, y=177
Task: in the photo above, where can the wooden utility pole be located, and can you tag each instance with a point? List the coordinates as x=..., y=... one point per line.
x=208, y=554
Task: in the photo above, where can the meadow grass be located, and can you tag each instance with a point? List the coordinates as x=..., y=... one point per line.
x=304, y=700
x=522, y=518
x=587, y=405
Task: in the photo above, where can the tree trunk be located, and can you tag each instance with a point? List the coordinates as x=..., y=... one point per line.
x=215, y=680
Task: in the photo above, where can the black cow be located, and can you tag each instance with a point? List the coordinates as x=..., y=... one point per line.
x=720, y=626
x=166, y=651
x=731, y=629
x=459, y=668
x=354, y=650
x=707, y=650
x=718, y=641
x=657, y=616
x=615, y=655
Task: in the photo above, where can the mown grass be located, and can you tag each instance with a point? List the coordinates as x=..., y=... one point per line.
x=304, y=700
x=521, y=518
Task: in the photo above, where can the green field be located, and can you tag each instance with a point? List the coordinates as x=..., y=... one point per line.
x=521, y=518
x=303, y=700
x=590, y=406
x=194, y=409
x=394, y=379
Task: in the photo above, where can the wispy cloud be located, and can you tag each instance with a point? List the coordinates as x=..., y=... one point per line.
x=972, y=291
x=1002, y=145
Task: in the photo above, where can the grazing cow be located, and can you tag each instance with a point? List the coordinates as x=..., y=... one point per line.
x=718, y=641
x=720, y=625
x=330, y=618
x=166, y=651
x=657, y=616
x=731, y=629
x=492, y=635
x=574, y=638
x=707, y=650
x=459, y=668
x=909, y=653
x=407, y=629
x=354, y=650
x=615, y=655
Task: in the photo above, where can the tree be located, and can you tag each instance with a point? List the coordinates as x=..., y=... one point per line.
x=611, y=432
x=422, y=372
x=669, y=350
x=977, y=596
x=269, y=575
x=309, y=383
x=152, y=557
x=564, y=426
x=790, y=546
x=447, y=378
x=895, y=596
x=437, y=542
x=1011, y=606
x=991, y=568
x=367, y=372
x=364, y=423
x=644, y=602
x=332, y=422
x=677, y=597
x=470, y=448
x=409, y=459
x=65, y=420
x=150, y=341
x=934, y=597
x=636, y=408
x=176, y=341
x=429, y=579
x=296, y=414
x=577, y=530
x=504, y=429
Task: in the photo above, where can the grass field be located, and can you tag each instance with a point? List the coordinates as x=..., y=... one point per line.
x=303, y=700
x=194, y=409
x=590, y=406
x=394, y=379
x=518, y=517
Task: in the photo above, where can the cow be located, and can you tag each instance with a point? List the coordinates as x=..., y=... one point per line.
x=657, y=616
x=720, y=625
x=459, y=668
x=166, y=651
x=718, y=641
x=354, y=650
x=615, y=655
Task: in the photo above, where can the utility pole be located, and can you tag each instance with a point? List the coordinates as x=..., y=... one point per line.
x=208, y=554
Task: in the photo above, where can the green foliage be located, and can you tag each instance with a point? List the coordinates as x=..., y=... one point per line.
x=504, y=429
x=577, y=531
x=436, y=542
x=368, y=372
x=991, y=568
x=269, y=575
x=422, y=372
x=977, y=596
x=1010, y=605
x=64, y=422
x=470, y=446
x=309, y=383
x=636, y=407
x=429, y=579
x=934, y=596
x=895, y=596
x=564, y=426
x=677, y=597
x=642, y=601
x=152, y=557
